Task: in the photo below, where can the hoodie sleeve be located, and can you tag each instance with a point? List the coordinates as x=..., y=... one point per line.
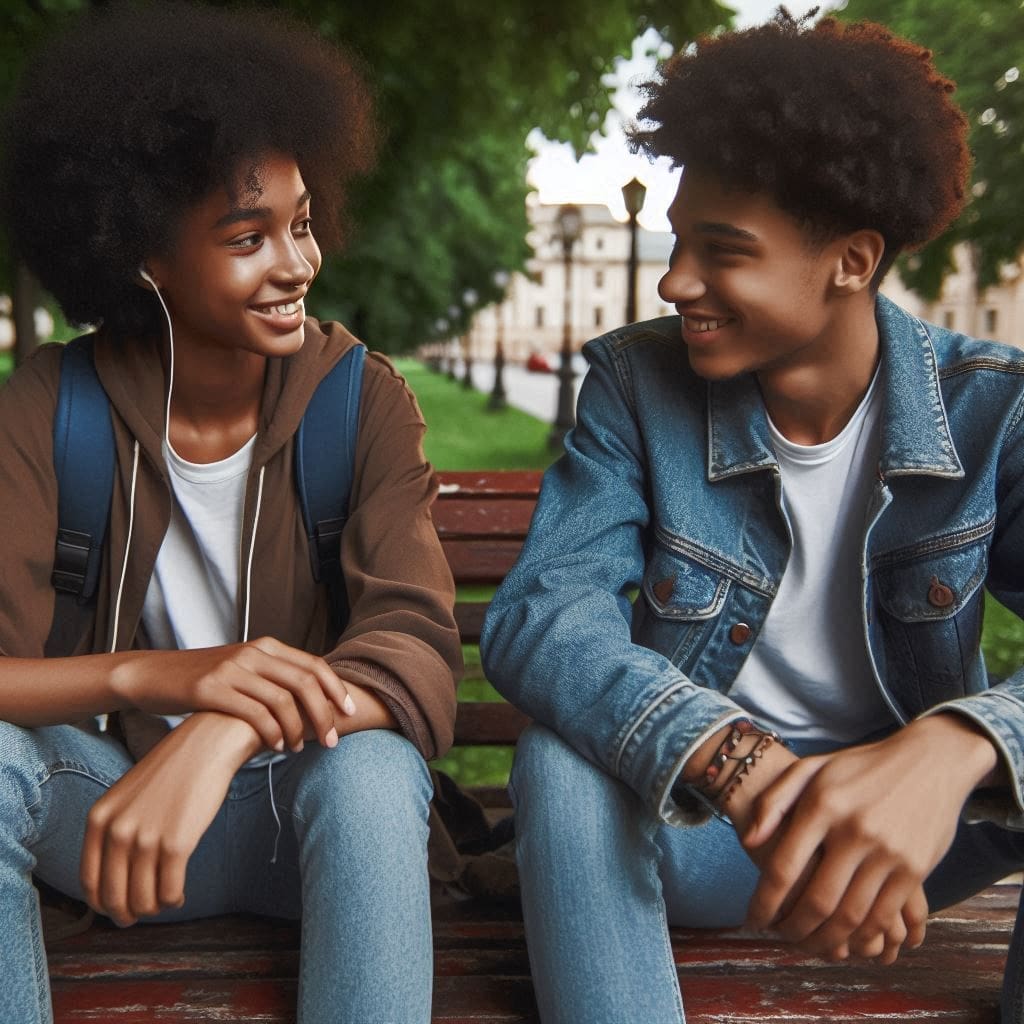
x=401, y=640
x=28, y=504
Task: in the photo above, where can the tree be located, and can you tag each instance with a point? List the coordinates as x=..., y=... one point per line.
x=459, y=84
x=977, y=43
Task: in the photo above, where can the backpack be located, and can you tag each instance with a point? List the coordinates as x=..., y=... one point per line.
x=83, y=459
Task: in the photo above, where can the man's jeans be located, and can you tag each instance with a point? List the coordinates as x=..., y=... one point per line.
x=351, y=861
x=602, y=880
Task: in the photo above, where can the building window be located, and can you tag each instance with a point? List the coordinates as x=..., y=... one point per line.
x=599, y=242
x=538, y=317
x=598, y=316
x=949, y=319
x=991, y=321
x=540, y=278
x=598, y=278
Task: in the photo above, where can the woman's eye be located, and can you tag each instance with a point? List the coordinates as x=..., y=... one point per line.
x=304, y=226
x=246, y=242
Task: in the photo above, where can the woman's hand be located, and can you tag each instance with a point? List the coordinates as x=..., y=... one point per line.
x=845, y=840
x=141, y=833
x=264, y=682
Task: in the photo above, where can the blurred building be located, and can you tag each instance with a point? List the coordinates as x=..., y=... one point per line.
x=531, y=317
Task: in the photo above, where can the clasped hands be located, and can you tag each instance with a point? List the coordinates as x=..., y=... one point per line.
x=244, y=697
x=845, y=841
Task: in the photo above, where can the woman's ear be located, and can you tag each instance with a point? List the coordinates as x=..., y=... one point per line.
x=857, y=258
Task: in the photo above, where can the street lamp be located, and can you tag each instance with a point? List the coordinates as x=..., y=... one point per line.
x=498, y=399
x=570, y=226
x=469, y=298
x=453, y=318
x=633, y=195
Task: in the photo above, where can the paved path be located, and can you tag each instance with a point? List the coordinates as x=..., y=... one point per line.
x=535, y=393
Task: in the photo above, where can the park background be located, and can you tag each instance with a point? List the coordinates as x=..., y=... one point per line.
x=498, y=114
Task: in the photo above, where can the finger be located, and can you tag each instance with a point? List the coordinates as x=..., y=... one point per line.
x=92, y=857
x=779, y=799
x=915, y=916
x=333, y=686
x=113, y=881
x=267, y=685
x=883, y=931
x=142, y=866
x=171, y=869
x=784, y=867
x=821, y=894
x=307, y=693
x=858, y=901
x=237, y=702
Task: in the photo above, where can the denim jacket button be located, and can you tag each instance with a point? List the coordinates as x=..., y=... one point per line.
x=939, y=595
x=740, y=633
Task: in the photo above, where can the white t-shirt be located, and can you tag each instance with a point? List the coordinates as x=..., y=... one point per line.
x=192, y=599
x=808, y=675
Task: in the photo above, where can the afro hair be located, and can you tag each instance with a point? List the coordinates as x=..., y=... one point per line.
x=139, y=112
x=845, y=126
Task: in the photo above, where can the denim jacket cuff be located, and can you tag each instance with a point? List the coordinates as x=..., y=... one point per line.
x=989, y=712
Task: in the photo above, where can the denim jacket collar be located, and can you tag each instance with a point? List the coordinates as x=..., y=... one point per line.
x=915, y=432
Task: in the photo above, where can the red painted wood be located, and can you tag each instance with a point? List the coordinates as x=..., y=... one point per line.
x=477, y=518
x=489, y=484
x=488, y=723
x=480, y=561
x=469, y=616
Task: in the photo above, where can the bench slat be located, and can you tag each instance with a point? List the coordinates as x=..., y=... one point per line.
x=488, y=723
x=466, y=518
x=489, y=484
x=480, y=561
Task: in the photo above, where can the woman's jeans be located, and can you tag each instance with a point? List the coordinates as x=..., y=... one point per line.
x=350, y=860
x=602, y=880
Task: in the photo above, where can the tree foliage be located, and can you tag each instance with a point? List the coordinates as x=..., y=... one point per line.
x=459, y=85
x=977, y=43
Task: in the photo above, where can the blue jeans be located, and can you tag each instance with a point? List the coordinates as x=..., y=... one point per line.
x=351, y=862
x=602, y=880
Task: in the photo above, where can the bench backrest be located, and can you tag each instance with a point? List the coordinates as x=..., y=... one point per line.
x=482, y=519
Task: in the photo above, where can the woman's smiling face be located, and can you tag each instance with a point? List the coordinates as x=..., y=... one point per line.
x=239, y=268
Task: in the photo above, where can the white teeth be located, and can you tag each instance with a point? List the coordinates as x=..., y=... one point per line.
x=285, y=309
x=700, y=326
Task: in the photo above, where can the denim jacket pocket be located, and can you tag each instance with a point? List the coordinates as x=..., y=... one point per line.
x=930, y=609
x=679, y=601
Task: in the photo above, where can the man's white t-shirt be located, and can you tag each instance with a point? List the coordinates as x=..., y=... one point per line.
x=808, y=675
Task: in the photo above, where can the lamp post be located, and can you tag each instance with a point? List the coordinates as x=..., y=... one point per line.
x=633, y=193
x=469, y=298
x=570, y=226
x=498, y=400
x=440, y=329
x=453, y=345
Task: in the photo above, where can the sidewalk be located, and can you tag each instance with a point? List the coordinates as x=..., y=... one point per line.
x=534, y=393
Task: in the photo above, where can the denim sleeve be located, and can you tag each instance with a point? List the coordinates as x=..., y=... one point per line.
x=999, y=711
x=557, y=641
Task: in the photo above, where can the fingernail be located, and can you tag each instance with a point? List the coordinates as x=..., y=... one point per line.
x=349, y=705
x=279, y=746
x=298, y=746
x=332, y=737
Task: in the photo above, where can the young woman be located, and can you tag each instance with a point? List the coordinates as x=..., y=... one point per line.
x=811, y=490
x=170, y=173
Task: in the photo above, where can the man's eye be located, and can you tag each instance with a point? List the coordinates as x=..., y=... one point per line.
x=246, y=242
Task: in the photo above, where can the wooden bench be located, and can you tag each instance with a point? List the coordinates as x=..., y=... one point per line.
x=244, y=969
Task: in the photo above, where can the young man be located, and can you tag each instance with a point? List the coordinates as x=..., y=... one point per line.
x=811, y=490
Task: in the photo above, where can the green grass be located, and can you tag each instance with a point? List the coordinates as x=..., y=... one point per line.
x=462, y=433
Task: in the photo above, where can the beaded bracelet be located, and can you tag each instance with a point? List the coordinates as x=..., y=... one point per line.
x=713, y=785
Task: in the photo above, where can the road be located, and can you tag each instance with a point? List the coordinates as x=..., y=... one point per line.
x=535, y=393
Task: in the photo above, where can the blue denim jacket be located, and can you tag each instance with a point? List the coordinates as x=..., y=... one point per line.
x=662, y=527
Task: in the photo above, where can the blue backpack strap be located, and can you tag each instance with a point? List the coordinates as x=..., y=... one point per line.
x=83, y=459
x=325, y=449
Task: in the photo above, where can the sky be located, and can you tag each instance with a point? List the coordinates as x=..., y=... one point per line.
x=598, y=177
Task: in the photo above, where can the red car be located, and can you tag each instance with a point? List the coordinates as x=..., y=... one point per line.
x=539, y=363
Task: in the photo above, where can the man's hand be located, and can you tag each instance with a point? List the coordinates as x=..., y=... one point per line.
x=269, y=685
x=141, y=833
x=845, y=840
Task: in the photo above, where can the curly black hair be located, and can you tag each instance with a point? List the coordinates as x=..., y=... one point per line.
x=846, y=126
x=138, y=112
